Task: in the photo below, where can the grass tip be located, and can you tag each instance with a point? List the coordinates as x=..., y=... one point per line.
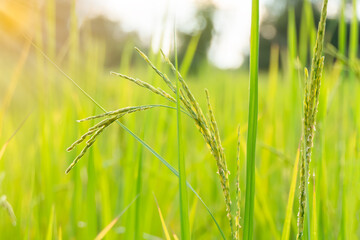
x=141, y=53
x=67, y=170
x=114, y=73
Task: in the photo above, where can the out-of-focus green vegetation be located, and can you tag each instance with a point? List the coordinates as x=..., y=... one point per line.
x=39, y=107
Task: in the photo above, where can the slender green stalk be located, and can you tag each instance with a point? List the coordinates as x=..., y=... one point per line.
x=49, y=234
x=238, y=190
x=108, y=227
x=342, y=29
x=92, y=216
x=252, y=124
x=354, y=33
x=303, y=36
x=184, y=208
x=292, y=66
x=137, y=222
x=189, y=55
x=289, y=207
x=210, y=133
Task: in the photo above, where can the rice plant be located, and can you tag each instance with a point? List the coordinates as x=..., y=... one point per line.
x=115, y=171
x=311, y=102
x=189, y=105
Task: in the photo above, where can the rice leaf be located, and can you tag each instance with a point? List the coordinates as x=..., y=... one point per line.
x=103, y=233
x=184, y=208
x=49, y=234
x=166, y=232
x=252, y=124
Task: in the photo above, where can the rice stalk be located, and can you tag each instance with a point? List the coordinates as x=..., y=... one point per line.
x=137, y=138
x=211, y=137
x=190, y=96
x=183, y=201
x=222, y=168
x=238, y=190
x=190, y=106
x=311, y=101
x=168, y=82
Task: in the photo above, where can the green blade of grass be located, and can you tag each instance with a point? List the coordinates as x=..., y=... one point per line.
x=90, y=197
x=354, y=35
x=174, y=171
x=137, y=227
x=184, y=208
x=292, y=45
x=303, y=37
x=342, y=29
x=289, y=208
x=163, y=161
x=49, y=234
x=310, y=22
x=4, y=146
x=189, y=55
x=252, y=124
x=102, y=234
x=292, y=57
x=166, y=232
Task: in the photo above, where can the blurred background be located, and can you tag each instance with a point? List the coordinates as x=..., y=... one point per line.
x=86, y=39
x=219, y=30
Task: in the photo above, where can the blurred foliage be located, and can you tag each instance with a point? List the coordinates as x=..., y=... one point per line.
x=206, y=23
x=109, y=33
x=51, y=205
x=274, y=26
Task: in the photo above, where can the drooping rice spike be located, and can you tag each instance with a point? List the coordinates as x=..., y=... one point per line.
x=187, y=91
x=87, y=146
x=146, y=85
x=80, y=140
x=124, y=110
x=106, y=122
x=168, y=82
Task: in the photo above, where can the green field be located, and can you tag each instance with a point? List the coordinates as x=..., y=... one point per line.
x=40, y=106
